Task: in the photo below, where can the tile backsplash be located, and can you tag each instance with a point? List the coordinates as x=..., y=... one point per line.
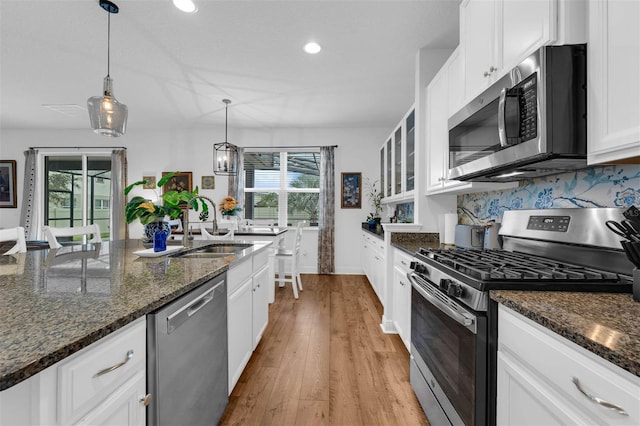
x=599, y=186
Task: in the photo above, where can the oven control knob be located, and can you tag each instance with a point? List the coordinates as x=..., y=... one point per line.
x=455, y=290
x=419, y=267
x=444, y=284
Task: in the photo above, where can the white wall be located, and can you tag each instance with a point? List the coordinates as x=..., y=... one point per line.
x=192, y=150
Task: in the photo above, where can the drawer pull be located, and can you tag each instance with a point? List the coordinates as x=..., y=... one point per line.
x=115, y=367
x=145, y=400
x=403, y=262
x=597, y=400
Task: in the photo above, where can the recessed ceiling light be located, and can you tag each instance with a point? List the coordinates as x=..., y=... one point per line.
x=312, y=48
x=187, y=6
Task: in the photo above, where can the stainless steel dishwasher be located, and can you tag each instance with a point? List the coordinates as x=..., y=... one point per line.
x=187, y=358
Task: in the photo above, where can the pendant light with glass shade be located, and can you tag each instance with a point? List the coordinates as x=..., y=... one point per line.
x=225, y=154
x=108, y=116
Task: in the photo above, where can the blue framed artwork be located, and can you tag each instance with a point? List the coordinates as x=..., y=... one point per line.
x=351, y=190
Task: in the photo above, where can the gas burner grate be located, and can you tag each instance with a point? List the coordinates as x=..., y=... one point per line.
x=500, y=265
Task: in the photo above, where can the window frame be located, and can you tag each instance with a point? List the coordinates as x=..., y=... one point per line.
x=283, y=190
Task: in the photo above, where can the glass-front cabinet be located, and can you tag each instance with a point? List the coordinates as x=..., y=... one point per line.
x=397, y=161
x=410, y=145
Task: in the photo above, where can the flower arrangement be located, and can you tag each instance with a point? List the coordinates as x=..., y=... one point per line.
x=375, y=198
x=229, y=206
x=172, y=203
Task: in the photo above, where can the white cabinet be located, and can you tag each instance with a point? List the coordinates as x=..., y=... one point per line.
x=613, y=56
x=496, y=35
x=402, y=296
x=261, y=281
x=373, y=263
x=240, y=323
x=248, y=310
x=397, y=161
x=102, y=384
x=544, y=378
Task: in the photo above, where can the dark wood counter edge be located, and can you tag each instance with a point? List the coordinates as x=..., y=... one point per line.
x=630, y=365
x=33, y=368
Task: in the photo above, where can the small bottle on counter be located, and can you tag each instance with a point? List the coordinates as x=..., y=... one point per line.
x=160, y=240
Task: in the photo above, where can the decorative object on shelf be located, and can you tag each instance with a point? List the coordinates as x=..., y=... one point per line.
x=229, y=207
x=225, y=154
x=179, y=181
x=351, y=190
x=158, y=232
x=375, y=198
x=8, y=197
x=108, y=116
x=171, y=203
x=150, y=182
x=208, y=182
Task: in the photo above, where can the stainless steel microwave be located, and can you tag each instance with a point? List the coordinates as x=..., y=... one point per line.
x=532, y=122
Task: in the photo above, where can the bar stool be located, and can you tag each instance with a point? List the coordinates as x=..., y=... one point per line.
x=17, y=235
x=52, y=234
x=294, y=256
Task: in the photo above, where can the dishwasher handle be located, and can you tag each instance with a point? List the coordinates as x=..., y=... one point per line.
x=182, y=315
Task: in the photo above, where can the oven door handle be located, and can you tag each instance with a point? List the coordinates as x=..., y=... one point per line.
x=466, y=321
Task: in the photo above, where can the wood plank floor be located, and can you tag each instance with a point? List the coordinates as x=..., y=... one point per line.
x=324, y=361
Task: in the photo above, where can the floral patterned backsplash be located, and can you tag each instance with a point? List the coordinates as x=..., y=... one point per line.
x=599, y=186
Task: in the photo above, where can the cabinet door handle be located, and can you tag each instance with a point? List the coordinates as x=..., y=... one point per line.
x=403, y=262
x=401, y=283
x=115, y=367
x=145, y=400
x=597, y=400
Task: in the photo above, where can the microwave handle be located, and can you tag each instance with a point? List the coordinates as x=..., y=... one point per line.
x=502, y=104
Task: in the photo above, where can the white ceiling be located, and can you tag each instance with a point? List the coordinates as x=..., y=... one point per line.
x=173, y=69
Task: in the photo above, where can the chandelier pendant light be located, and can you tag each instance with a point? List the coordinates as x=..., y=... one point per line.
x=225, y=154
x=108, y=116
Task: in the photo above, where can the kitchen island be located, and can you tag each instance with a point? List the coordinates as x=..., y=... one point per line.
x=56, y=302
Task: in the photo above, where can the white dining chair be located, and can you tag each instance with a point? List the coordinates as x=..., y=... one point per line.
x=52, y=234
x=17, y=235
x=228, y=236
x=293, y=256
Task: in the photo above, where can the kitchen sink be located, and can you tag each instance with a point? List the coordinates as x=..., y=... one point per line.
x=215, y=250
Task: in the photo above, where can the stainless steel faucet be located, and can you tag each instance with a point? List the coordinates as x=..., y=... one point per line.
x=185, y=219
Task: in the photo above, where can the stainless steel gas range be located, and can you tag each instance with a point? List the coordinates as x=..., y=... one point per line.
x=454, y=323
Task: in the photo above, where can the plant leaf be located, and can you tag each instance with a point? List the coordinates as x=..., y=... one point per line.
x=166, y=177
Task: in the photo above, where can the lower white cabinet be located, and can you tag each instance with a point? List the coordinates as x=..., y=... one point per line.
x=544, y=379
x=102, y=384
x=247, y=309
x=402, y=296
x=373, y=263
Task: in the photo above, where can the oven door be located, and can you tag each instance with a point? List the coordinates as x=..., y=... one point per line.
x=449, y=356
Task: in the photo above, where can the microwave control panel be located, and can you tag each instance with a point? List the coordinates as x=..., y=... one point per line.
x=528, y=89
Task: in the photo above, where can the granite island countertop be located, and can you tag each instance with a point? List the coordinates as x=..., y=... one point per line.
x=56, y=302
x=603, y=323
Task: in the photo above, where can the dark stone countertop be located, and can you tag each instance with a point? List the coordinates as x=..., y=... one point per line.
x=56, y=302
x=603, y=323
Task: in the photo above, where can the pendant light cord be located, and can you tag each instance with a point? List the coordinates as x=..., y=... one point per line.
x=226, y=106
x=108, y=41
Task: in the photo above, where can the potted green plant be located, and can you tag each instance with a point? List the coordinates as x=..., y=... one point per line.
x=375, y=198
x=170, y=204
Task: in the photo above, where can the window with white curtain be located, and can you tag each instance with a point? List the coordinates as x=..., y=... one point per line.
x=282, y=187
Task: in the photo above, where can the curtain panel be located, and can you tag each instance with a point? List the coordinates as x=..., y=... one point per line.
x=29, y=211
x=119, y=229
x=326, y=225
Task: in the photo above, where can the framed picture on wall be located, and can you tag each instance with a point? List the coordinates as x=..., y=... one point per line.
x=182, y=181
x=351, y=190
x=8, y=196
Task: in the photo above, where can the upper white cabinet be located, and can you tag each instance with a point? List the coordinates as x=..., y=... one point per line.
x=496, y=35
x=397, y=161
x=613, y=55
